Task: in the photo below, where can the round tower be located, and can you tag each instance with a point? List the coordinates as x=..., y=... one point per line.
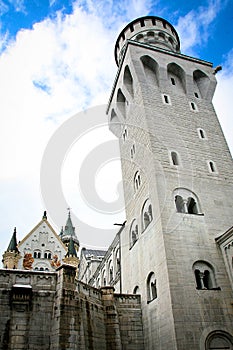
x=149, y=30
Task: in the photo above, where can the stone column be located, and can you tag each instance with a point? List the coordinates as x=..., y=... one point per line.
x=113, y=338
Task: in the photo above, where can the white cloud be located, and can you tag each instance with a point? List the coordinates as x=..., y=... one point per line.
x=194, y=29
x=19, y=5
x=48, y=74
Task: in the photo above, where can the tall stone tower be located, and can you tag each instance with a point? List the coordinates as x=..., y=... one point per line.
x=177, y=178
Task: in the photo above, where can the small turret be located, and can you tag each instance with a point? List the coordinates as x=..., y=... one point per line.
x=71, y=257
x=12, y=255
x=68, y=232
x=150, y=30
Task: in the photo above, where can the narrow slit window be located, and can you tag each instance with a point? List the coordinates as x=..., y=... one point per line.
x=166, y=99
x=174, y=157
x=193, y=106
x=212, y=167
x=196, y=95
x=202, y=133
x=173, y=81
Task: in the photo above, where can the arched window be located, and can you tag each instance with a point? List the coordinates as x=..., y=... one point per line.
x=146, y=214
x=174, y=158
x=176, y=75
x=45, y=255
x=110, y=271
x=179, y=204
x=37, y=254
x=192, y=206
x=136, y=290
x=103, y=279
x=150, y=67
x=117, y=261
x=201, y=82
x=115, y=124
x=186, y=201
x=219, y=340
x=151, y=287
x=128, y=80
x=133, y=233
x=137, y=181
x=121, y=102
x=204, y=275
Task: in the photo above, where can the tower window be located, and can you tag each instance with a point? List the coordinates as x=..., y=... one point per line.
x=166, y=99
x=186, y=201
x=146, y=215
x=212, y=167
x=193, y=106
x=174, y=158
x=132, y=151
x=219, y=340
x=196, y=95
x=204, y=275
x=201, y=133
x=151, y=287
x=137, y=181
x=133, y=234
x=173, y=81
x=125, y=134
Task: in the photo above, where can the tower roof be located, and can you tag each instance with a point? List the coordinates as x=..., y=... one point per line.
x=71, y=248
x=150, y=30
x=69, y=228
x=69, y=231
x=13, y=243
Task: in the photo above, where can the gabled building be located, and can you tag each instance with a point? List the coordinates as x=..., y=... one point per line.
x=42, y=249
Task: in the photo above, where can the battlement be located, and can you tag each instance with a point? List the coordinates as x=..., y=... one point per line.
x=150, y=30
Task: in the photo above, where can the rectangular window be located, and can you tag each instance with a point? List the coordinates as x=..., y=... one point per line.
x=166, y=99
x=173, y=81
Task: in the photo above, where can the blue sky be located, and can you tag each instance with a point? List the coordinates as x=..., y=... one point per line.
x=56, y=59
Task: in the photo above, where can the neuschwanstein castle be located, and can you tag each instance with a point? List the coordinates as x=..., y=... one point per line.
x=166, y=281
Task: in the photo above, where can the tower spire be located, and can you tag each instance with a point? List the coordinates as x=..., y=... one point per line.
x=12, y=255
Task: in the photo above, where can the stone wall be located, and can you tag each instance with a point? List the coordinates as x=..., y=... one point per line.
x=53, y=311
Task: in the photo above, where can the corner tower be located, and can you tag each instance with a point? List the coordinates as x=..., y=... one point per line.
x=177, y=179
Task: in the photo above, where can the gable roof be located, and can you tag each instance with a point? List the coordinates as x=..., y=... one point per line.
x=43, y=221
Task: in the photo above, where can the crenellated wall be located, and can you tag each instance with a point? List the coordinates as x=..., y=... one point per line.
x=53, y=311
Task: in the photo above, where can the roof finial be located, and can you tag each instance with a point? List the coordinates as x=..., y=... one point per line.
x=69, y=211
x=45, y=216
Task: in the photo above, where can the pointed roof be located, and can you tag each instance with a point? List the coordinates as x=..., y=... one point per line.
x=13, y=243
x=71, y=249
x=69, y=231
x=69, y=228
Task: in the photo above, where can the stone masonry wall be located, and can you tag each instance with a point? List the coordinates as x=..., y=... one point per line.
x=44, y=310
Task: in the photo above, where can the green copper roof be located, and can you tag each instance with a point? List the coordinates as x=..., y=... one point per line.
x=69, y=228
x=13, y=243
x=71, y=249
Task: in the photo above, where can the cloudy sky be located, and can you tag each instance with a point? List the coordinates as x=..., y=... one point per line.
x=57, y=60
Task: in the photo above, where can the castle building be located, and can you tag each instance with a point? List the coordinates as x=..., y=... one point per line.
x=42, y=249
x=171, y=263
